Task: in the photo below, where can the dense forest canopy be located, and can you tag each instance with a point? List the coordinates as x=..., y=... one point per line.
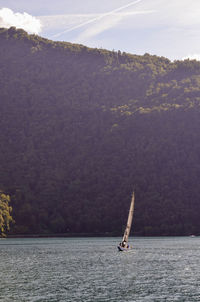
x=81, y=128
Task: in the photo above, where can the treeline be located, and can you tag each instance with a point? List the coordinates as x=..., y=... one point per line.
x=81, y=128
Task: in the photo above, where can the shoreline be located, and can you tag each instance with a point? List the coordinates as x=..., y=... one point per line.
x=85, y=235
x=66, y=235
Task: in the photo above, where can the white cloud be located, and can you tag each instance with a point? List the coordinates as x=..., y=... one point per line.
x=102, y=25
x=67, y=21
x=73, y=21
x=106, y=23
x=100, y=22
x=20, y=20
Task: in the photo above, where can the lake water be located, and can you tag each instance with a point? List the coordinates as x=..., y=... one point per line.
x=91, y=270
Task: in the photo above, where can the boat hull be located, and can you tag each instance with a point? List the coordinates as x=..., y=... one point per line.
x=123, y=249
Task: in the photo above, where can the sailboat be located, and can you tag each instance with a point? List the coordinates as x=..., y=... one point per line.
x=124, y=246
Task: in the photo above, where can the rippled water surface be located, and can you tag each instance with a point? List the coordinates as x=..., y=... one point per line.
x=91, y=269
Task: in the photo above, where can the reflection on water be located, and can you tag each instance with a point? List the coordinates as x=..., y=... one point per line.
x=91, y=269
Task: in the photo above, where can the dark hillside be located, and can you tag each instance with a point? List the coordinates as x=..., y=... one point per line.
x=81, y=127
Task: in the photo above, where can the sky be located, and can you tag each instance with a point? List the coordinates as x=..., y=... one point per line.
x=169, y=28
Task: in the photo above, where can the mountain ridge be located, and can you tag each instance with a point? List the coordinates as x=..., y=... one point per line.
x=81, y=127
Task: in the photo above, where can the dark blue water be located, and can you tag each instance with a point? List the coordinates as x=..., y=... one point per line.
x=91, y=269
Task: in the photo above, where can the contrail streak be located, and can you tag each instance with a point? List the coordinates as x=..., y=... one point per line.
x=96, y=19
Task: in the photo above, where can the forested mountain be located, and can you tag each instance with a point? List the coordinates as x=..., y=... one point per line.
x=81, y=128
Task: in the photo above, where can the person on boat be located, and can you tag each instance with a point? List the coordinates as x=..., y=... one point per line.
x=124, y=243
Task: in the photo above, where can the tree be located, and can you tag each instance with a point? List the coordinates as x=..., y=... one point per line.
x=5, y=214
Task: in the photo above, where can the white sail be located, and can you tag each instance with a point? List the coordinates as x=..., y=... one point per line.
x=129, y=221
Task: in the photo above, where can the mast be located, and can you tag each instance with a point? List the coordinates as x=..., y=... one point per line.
x=129, y=221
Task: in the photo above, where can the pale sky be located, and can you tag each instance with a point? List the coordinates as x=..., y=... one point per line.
x=169, y=28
